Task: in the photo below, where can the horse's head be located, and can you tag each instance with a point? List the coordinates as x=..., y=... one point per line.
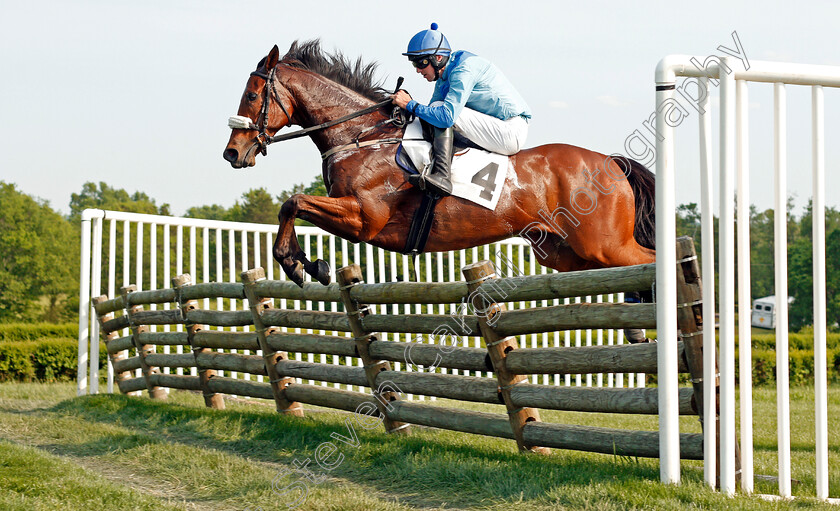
x=266, y=106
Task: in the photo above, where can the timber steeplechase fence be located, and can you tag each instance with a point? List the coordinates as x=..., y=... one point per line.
x=280, y=344
x=700, y=74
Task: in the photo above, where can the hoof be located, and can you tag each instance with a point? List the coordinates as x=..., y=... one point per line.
x=320, y=271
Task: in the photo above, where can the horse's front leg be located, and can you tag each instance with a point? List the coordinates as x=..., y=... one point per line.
x=340, y=216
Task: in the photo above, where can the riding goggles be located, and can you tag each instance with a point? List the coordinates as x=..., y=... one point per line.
x=421, y=62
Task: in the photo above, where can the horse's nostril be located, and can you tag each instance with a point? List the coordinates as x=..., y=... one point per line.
x=231, y=155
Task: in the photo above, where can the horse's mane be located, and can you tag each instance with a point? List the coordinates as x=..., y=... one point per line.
x=356, y=76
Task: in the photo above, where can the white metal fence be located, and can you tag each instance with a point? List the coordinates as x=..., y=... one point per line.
x=119, y=249
x=734, y=183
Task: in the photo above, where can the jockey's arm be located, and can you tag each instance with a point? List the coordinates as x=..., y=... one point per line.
x=443, y=115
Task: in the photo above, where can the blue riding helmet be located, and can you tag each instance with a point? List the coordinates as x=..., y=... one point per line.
x=428, y=42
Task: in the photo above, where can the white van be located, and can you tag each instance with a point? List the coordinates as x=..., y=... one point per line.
x=764, y=312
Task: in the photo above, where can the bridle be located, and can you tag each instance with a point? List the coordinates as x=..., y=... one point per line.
x=269, y=90
x=263, y=140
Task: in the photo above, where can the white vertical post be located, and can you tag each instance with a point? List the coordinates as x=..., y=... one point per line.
x=138, y=279
x=126, y=252
x=820, y=319
x=84, y=307
x=439, y=267
x=782, y=345
x=112, y=258
x=153, y=277
x=256, y=251
x=112, y=275
x=599, y=341
x=619, y=380
x=428, y=259
x=588, y=299
x=331, y=261
x=153, y=259
x=219, y=277
x=219, y=267
x=205, y=260
x=319, y=254
x=395, y=308
x=707, y=235
x=333, y=305
x=232, y=278
x=179, y=250
x=244, y=266
x=167, y=282
x=406, y=309
x=193, y=254
x=744, y=295
x=307, y=247
x=666, y=282
x=610, y=342
x=243, y=251
x=269, y=269
x=127, y=266
x=193, y=274
x=727, y=281
x=179, y=270
x=95, y=290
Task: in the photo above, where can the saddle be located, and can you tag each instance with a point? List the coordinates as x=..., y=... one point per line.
x=477, y=176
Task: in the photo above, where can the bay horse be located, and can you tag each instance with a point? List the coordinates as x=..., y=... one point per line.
x=579, y=209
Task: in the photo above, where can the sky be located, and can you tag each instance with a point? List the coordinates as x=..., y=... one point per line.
x=137, y=94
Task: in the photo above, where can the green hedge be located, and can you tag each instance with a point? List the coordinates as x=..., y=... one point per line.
x=801, y=367
x=46, y=360
x=797, y=341
x=12, y=332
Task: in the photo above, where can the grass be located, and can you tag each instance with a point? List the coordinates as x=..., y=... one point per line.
x=120, y=452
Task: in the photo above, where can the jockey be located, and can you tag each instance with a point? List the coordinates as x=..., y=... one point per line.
x=471, y=95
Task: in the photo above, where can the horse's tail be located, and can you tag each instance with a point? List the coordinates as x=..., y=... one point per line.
x=644, y=190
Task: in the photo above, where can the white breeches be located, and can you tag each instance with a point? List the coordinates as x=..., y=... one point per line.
x=495, y=135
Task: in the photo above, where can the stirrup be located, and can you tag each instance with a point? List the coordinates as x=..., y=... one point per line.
x=417, y=180
x=427, y=186
x=442, y=186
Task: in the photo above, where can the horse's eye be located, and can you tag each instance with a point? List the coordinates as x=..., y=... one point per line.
x=252, y=96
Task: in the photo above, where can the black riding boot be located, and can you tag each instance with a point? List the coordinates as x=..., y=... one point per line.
x=439, y=179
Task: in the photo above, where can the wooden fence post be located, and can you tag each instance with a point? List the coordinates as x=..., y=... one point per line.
x=257, y=305
x=211, y=399
x=108, y=337
x=498, y=348
x=155, y=392
x=348, y=277
x=690, y=323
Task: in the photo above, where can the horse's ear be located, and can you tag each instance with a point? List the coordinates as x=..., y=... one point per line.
x=273, y=58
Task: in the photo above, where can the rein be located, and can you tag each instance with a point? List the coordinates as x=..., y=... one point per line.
x=241, y=122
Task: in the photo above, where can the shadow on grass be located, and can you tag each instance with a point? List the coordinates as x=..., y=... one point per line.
x=426, y=468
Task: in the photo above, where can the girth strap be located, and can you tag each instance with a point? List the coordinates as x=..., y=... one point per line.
x=421, y=225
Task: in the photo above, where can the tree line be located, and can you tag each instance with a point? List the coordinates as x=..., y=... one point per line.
x=39, y=248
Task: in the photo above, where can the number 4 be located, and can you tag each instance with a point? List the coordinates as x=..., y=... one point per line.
x=486, y=178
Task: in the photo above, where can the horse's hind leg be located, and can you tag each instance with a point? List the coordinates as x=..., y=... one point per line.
x=553, y=252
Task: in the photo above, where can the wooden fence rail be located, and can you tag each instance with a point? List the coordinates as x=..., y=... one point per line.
x=274, y=348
